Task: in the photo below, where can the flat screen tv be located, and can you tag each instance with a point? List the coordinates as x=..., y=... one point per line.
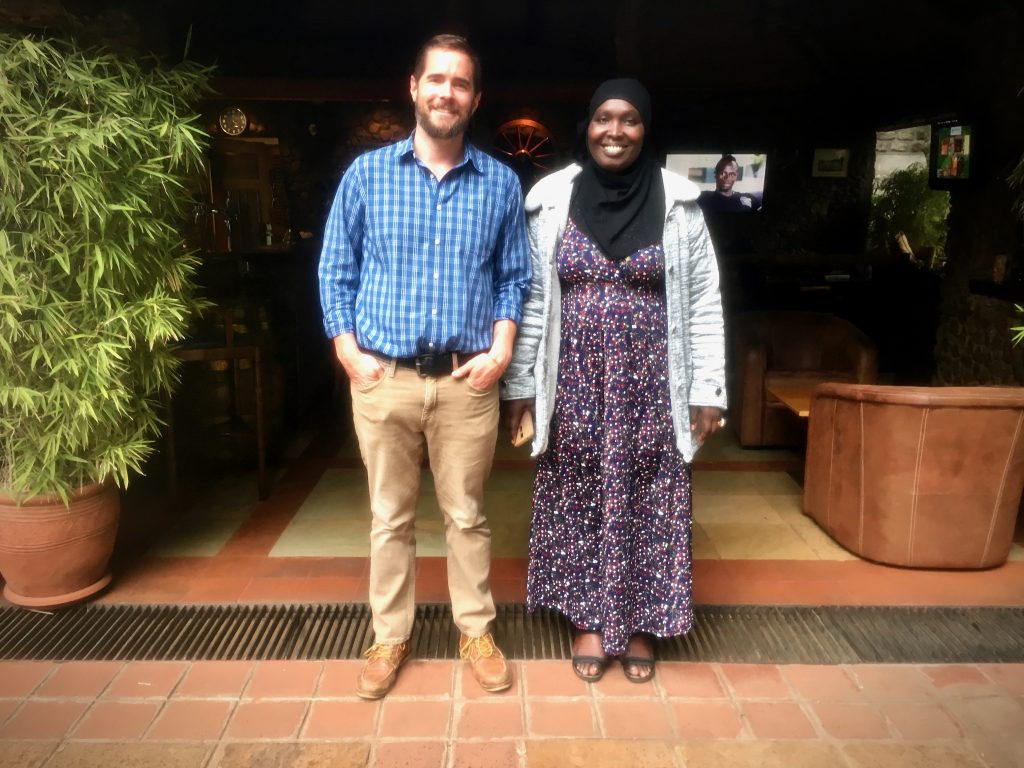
x=952, y=154
x=730, y=182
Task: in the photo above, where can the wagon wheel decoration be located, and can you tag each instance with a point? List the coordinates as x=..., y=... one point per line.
x=526, y=145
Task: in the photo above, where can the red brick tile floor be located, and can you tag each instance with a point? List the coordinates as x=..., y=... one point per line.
x=304, y=713
x=301, y=713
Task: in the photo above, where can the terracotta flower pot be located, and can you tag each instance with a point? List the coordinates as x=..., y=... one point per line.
x=52, y=554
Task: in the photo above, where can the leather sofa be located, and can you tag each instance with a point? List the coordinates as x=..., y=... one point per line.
x=780, y=347
x=923, y=477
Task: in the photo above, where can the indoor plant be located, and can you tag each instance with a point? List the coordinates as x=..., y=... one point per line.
x=95, y=284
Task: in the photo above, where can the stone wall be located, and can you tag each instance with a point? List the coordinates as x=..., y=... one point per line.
x=974, y=347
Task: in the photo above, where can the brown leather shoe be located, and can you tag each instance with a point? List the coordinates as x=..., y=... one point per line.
x=487, y=661
x=380, y=671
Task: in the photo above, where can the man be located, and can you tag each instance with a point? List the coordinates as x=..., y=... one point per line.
x=725, y=199
x=424, y=269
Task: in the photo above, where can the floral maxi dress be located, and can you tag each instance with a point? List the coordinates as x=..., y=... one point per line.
x=610, y=535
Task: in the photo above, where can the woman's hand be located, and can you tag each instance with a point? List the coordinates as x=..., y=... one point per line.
x=514, y=410
x=705, y=420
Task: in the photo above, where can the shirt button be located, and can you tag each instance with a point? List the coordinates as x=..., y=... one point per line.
x=433, y=311
x=431, y=345
x=436, y=275
x=437, y=241
x=439, y=206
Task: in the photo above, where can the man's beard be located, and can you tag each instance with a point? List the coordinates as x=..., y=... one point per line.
x=435, y=131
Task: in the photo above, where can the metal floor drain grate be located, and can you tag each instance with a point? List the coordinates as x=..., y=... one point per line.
x=758, y=634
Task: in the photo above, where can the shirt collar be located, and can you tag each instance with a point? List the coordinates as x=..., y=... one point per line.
x=471, y=156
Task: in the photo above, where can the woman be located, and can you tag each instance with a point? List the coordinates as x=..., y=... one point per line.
x=620, y=359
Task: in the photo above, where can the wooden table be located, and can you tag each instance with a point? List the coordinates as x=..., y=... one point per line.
x=795, y=395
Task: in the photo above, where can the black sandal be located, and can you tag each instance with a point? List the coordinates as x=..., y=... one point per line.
x=581, y=661
x=644, y=663
x=601, y=662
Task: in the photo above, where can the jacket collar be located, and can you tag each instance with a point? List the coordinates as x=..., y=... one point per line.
x=678, y=189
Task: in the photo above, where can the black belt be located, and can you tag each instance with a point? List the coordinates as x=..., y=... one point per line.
x=434, y=365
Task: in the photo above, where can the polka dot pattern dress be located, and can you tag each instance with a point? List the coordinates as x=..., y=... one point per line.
x=610, y=536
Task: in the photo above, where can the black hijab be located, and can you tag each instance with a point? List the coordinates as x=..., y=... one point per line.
x=625, y=211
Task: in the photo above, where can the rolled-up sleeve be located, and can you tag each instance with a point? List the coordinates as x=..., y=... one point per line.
x=511, y=258
x=341, y=255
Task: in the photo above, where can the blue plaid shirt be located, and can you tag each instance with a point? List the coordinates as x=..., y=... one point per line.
x=413, y=265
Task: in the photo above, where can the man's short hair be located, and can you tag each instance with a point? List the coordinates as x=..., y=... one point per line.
x=726, y=160
x=450, y=43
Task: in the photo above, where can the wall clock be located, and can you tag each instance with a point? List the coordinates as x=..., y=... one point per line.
x=233, y=121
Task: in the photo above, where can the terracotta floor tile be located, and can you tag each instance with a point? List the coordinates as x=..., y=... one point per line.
x=341, y=719
x=603, y=753
x=1001, y=716
x=691, y=681
x=892, y=681
x=508, y=590
x=1009, y=677
x=499, y=754
x=706, y=720
x=850, y=721
x=634, y=719
x=552, y=678
x=287, y=590
x=43, y=720
x=217, y=589
x=210, y=679
x=425, y=678
x=283, y=680
x=562, y=719
x=291, y=755
x=867, y=755
x=191, y=720
x=266, y=720
x=763, y=754
x=74, y=679
x=614, y=684
x=338, y=679
x=822, y=682
x=415, y=718
x=117, y=720
x=7, y=707
x=957, y=679
x=467, y=686
x=410, y=754
x=756, y=681
x=85, y=754
x=999, y=752
x=146, y=680
x=777, y=720
x=489, y=719
x=20, y=678
x=26, y=754
x=923, y=721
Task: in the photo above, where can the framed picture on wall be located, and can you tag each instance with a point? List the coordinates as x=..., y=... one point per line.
x=831, y=163
x=951, y=158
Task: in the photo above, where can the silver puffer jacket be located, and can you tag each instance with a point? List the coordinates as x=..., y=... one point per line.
x=696, y=344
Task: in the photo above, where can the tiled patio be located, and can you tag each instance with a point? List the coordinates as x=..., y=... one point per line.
x=306, y=543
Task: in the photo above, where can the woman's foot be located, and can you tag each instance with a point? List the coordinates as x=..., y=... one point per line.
x=588, y=659
x=638, y=661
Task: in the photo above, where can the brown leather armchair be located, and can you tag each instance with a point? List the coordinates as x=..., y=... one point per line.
x=779, y=347
x=924, y=477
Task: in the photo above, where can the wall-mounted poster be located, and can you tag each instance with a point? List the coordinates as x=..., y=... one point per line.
x=952, y=145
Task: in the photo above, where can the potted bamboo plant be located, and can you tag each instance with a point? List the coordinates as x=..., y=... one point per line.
x=96, y=284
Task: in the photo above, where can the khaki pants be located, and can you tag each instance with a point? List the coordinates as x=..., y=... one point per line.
x=395, y=417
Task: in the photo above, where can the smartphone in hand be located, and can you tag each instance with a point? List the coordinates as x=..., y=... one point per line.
x=525, y=432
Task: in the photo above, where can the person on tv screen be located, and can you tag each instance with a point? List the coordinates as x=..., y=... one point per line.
x=725, y=199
